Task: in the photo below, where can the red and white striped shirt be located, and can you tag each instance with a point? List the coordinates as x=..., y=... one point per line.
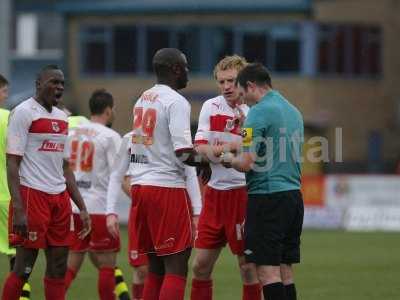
x=39, y=137
x=216, y=127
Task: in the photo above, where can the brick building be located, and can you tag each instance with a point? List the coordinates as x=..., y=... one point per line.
x=337, y=60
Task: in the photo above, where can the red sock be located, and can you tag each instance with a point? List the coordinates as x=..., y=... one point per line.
x=69, y=277
x=54, y=288
x=251, y=292
x=152, y=286
x=137, y=291
x=201, y=289
x=173, y=287
x=12, y=287
x=106, y=284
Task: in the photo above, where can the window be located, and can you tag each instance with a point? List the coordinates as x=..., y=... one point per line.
x=286, y=48
x=95, y=57
x=373, y=51
x=222, y=43
x=351, y=50
x=324, y=50
x=356, y=49
x=157, y=38
x=37, y=33
x=255, y=47
x=95, y=50
x=109, y=50
x=339, y=50
x=124, y=50
x=287, y=56
x=277, y=47
x=115, y=49
x=50, y=31
x=188, y=40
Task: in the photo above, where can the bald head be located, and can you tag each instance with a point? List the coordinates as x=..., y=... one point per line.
x=169, y=65
x=167, y=57
x=47, y=69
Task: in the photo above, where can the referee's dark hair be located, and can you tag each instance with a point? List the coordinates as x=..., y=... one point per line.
x=99, y=101
x=256, y=73
x=3, y=81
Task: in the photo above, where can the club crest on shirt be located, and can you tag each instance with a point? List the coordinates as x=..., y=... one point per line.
x=247, y=134
x=134, y=254
x=51, y=146
x=230, y=125
x=32, y=235
x=55, y=126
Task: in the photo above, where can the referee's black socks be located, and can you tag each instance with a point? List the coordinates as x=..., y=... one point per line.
x=291, y=292
x=274, y=291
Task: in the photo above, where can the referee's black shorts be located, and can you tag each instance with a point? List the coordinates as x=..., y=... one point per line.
x=273, y=227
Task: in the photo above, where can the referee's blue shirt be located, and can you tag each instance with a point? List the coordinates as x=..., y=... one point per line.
x=274, y=131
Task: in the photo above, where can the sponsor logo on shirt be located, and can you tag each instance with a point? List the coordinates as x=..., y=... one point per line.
x=139, y=159
x=49, y=146
x=141, y=139
x=247, y=134
x=83, y=184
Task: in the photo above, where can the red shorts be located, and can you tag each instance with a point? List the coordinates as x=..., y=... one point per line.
x=163, y=222
x=99, y=239
x=221, y=220
x=135, y=260
x=48, y=218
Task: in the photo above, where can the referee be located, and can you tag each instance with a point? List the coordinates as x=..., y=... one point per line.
x=272, y=140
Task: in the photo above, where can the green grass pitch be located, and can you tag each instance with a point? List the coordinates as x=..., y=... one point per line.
x=336, y=266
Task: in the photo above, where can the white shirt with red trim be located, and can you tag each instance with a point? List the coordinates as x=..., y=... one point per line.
x=217, y=127
x=161, y=126
x=39, y=137
x=92, y=148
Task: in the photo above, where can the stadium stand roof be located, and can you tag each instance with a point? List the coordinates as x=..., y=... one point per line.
x=195, y=6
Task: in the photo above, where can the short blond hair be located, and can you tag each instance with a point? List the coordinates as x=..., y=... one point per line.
x=235, y=62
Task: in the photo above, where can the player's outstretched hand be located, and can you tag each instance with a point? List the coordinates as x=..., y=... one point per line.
x=20, y=223
x=87, y=227
x=113, y=225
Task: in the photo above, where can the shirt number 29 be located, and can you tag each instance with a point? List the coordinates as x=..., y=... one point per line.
x=145, y=120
